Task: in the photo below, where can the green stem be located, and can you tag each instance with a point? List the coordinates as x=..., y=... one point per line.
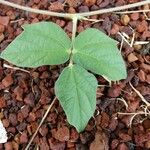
x=74, y=30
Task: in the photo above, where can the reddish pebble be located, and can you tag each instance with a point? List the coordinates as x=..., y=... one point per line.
x=23, y=138
x=25, y=111
x=114, y=144
x=13, y=119
x=141, y=75
x=125, y=137
x=56, y=6
x=56, y=145
x=4, y=20
x=115, y=29
x=122, y=146
x=7, y=81
x=43, y=130
x=74, y=135
x=1, y=37
x=62, y=134
x=90, y=2
x=5, y=123
x=2, y=102
x=2, y=28
x=114, y=91
x=8, y=146
x=105, y=120
x=135, y=16
x=142, y=26
x=148, y=79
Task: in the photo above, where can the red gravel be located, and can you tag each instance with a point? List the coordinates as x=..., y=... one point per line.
x=24, y=97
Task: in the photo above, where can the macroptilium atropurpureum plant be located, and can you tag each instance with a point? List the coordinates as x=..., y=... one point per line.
x=45, y=43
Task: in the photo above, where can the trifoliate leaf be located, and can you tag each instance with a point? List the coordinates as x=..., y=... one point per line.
x=76, y=91
x=43, y=43
x=98, y=53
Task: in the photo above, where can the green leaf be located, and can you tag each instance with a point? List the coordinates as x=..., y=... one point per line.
x=76, y=91
x=98, y=53
x=43, y=43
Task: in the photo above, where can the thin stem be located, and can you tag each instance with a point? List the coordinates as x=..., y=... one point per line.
x=139, y=94
x=67, y=15
x=44, y=117
x=134, y=11
x=74, y=30
x=136, y=113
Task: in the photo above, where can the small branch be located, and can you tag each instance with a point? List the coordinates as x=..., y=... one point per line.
x=15, y=68
x=140, y=95
x=67, y=15
x=43, y=119
x=134, y=11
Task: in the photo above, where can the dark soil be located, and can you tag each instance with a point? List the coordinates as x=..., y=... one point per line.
x=24, y=97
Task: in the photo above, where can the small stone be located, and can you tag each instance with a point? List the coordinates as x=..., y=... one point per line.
x=36, y=1
x=122, y=146
x=43, y=144
x=18, y=91
x=83, y=9
x=22, y=126
x=147, y=144
x=1, y=37
x=148, y=79
x=137, y=47
x=114, y=144
x=125, y=19
x=2, y=28
x=13, y=119
x=8, y=146
x=141, y=75
x=100, y=142
x=25, y=111
x=74, y=3
x=132, y=58
x=57, y=7
x=54, y=145
x=146, y=7
x=5, y=123
x=62, y=134
x=135, y=16
x=90, y=2
x=104, y=120
x=146, y=124
x=15, y=145
x=23, y=138
x=4, y=20
x=114, y=91
x=125, y=137
x=145, y=66
x=29, y=99
x=74, y=135
x=43, y=130
x=71, y=10
x=2, y=103
x=142, y=26
x=32, y=117
x=7, y=81
x=115, y=29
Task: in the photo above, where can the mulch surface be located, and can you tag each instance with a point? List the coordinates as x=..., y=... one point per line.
x=24, y=97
